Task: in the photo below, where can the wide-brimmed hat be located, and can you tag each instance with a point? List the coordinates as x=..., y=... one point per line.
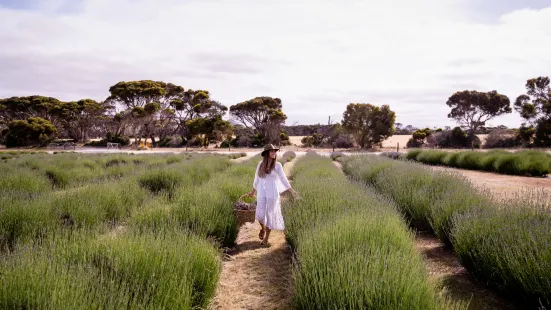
x=267, y=148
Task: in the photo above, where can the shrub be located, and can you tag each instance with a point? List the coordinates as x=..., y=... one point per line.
x=22, y=183
x=287, y=157
x=162, y=180
x=528, y=163
x=508, y=248
x=167, y=269
x=172, y=141
x=500, y=138
x=336, y=155
x=307, y=141
x=31, y=132
x=206, y=210
x=392, y=155
x=431, y=157
x=58, y=177
x=22, y=221
x=470, y=160
x=412, y=155
x=427, y=198
x=352, y=249
x=413, y=143
x=503, y=244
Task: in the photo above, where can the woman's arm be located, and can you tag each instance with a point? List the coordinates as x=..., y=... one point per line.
x=283, y=177
x=255, y=182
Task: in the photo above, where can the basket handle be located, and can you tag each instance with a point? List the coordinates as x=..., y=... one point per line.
x=241, y=197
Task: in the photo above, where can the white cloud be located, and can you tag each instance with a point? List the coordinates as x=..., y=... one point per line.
x=316, y=55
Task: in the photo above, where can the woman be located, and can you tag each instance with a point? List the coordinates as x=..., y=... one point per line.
x=269, y=182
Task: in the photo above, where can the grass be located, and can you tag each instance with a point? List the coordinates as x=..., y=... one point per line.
x=525, y=163
x=505, y=244
x=352, y=248
x=428, y=199
x=206, y=210
x=110, y=243
x=26, y=218
x=168, y=269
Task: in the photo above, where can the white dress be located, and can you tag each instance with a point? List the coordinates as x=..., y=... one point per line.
x=268, y=204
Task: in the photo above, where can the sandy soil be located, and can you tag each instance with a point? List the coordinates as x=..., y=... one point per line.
x=253, y=276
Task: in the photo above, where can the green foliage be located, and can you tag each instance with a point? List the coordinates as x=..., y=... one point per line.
x=352, y=249
x=206, y=210
x=508, y=248
x=214, y=128
x=369, y=124
x=58, y=177
x=431, y=157
x=263, y=114
x=412, y=154
x=167, y=269
x=504, y=244
x=526, y=163
x=473, y=109
x=535, y=108
x=427, y=198
x=162, y=180
x=34, y=131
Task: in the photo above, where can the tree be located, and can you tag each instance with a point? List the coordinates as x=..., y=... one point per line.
x=369, y=124
x=535, y=108
x=262, y=114
x=79, y=117
x=21, y=108
x=150, y=103
x=418, y=138
x=195, y=104
x=472, y=109
x=210, y=129
x=30, y=132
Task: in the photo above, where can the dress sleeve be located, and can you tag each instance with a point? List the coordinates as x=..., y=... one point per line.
x=255, y=183
x=282, y=177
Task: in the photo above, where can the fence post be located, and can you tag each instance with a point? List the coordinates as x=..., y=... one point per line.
x=398, y=147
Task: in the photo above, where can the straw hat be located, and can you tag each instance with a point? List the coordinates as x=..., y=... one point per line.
x=267, y=148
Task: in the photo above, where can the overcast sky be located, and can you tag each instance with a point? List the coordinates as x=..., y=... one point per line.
x=317, y=56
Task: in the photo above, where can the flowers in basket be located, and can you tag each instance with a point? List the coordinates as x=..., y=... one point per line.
x=244, y=206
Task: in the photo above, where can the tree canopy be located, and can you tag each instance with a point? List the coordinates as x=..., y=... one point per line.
x=32, y=131
x=262, y=114
x=535, y=108
x=368, y=124
x=472, y=109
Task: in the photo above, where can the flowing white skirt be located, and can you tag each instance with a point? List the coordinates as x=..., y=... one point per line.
x=268, y=212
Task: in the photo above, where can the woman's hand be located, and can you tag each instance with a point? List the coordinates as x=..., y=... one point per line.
x=251, y=193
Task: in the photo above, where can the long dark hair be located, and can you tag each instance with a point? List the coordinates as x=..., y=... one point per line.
x=267, y=165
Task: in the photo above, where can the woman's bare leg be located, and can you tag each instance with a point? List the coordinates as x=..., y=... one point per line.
x=262, y=231
x=267, y=235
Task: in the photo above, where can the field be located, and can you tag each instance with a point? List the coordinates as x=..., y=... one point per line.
x=524, y=162
x=85, y=231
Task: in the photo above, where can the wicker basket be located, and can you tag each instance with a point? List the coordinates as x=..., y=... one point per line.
x=244, y=216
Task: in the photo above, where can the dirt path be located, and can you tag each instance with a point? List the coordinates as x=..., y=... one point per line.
x=499, y=184
x=454, y=282
x=256, y=277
